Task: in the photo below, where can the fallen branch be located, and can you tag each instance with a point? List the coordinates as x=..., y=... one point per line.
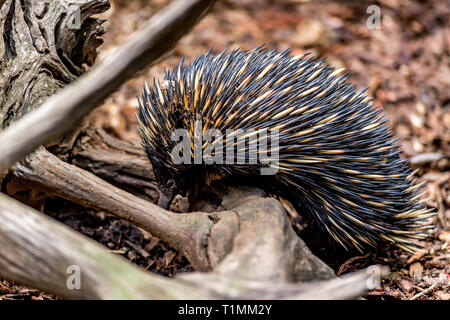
x=252, y=236
x=28, y=236
x=43, y=171
x=63, y=110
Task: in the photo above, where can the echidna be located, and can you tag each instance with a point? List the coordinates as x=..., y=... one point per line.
x=337, y=156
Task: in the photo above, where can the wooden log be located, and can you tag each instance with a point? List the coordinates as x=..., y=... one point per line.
x=44, y=46
x=43, y=171
x=45, y=254
x=66, y=108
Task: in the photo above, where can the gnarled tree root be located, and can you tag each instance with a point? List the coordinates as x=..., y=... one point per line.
x=253, y=236
x=28, y=236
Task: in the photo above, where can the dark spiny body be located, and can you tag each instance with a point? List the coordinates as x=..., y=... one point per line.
x=337, y=154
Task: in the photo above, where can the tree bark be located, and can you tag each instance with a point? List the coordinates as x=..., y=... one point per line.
x=45, y=46
x=65, y=109
x=39, y=252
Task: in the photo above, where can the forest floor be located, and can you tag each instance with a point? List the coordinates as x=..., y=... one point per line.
x=406, y=64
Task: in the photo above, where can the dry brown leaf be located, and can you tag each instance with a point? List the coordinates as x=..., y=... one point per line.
x=415, y=271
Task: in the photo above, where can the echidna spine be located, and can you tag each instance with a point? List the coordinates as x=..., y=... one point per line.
x=337, y=153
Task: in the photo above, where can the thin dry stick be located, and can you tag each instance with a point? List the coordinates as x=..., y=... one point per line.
x=186, y=232
x=63, y=110
x=424, y=292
